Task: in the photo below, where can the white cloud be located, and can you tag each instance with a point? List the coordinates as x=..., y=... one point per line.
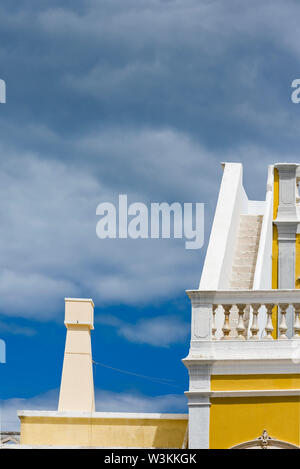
x=9, y=420
x=161, y=331
x=16, y=329
x=106, y=401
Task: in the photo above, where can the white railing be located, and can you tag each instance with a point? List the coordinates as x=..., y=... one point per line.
x=236, y=315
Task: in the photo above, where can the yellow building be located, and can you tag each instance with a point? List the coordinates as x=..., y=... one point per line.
x=244, y=357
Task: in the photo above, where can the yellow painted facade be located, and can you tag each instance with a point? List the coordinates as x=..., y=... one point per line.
x=237, y=419
x=254, y=382
x=103, y=432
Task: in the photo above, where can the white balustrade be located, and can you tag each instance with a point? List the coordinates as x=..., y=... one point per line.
x=212, y=314
x=297, y=321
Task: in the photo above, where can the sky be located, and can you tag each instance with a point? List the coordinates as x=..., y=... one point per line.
x=136, y=97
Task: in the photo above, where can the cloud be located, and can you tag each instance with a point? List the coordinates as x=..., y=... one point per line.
x=8, y=408
x=106, y=401
x=48, y=241
x=16, y=329
x=187, y=63
x=145, y=99
x=161, y=331
x=220, y=73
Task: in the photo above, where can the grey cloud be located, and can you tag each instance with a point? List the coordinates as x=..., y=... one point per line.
x=49, y=247
x=186, y=65
x=137, y=97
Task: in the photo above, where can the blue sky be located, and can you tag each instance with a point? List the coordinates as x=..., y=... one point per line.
x=146, y=98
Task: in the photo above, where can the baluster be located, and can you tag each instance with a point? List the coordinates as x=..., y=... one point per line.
x=213, y=324
x=241, y=326
x=269, y=326
x=226, y=327
x=254, y=328
x=283, y=326
x=297, y=321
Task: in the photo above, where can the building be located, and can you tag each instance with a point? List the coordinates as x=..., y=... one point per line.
x=244, y=358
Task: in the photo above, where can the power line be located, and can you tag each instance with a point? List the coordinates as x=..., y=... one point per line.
x=164, y=381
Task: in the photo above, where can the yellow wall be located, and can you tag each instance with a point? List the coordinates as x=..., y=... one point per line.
x=251, y=382
x=114, y=432
x=235, y=420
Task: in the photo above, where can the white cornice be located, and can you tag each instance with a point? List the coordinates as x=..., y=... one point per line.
x=244, y=393
x=244, y=296
x=101, y=415
x=248, y=357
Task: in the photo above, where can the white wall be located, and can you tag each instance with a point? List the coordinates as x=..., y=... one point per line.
x=263, y=270
x=232, y=202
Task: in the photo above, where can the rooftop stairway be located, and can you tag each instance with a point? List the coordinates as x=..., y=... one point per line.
x=244, y=262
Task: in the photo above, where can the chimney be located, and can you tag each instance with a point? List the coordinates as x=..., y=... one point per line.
x=77, y=385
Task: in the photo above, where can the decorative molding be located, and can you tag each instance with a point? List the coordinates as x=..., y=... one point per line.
x=287, y=191
x=253, y=367
x=264, y=441
x=200, y=297
x=201, y=321
x=199, y=377
x=286, y=230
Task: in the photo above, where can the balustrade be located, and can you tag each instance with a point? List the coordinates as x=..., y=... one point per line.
x=269, y=310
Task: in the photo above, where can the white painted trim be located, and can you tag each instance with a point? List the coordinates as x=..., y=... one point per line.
x=247, y=393
x=101, y=415
x=255, y=207
x=244, y=296
x=82, y=300
x=263, y=269
x=255, y=368
x=199, y=421
x=287, y=192
x=245, y=357
x=263, y=350
x=16, y=446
